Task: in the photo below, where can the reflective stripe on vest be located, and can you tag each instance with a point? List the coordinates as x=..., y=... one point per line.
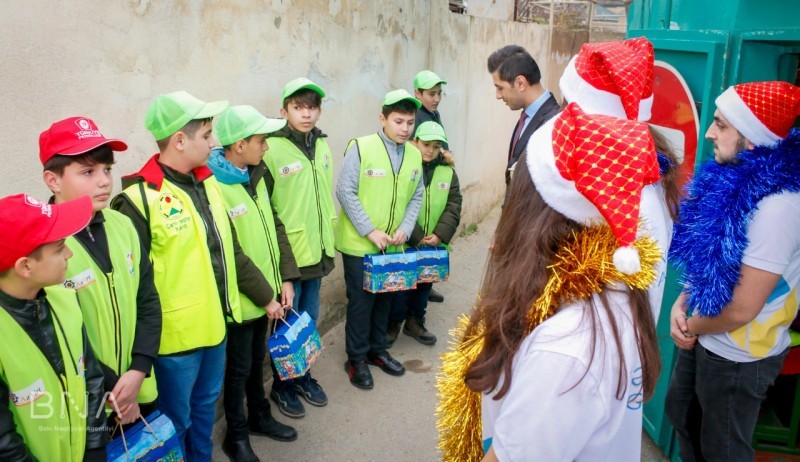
x=108, y=301
x=192, y=315
x=434, y=200
x=255, y=229
x=303, y=198
x=383, y=194
x=49, y=410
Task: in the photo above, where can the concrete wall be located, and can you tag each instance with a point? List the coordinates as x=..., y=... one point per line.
x=492, y=9
x=107, y=60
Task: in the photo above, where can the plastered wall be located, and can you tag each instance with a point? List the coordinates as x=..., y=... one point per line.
x=107, y=60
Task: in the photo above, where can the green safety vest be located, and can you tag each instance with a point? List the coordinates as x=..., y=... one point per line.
x=383, y=194
x=302, y=197
x=49, y=410
x=434, y=200
x=255, y=228
x=192, y=315
x=108, y=301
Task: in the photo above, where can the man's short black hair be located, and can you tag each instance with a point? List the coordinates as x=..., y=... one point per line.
x=511, y=61
x=403, y=106
x=99, y=155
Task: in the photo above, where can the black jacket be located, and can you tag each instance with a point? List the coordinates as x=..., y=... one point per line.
x=308, y=146
x=35, y=318
x=448, y=223
x=250, y=280
x=549, y=109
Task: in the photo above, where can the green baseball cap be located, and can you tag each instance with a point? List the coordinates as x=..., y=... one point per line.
x=426, y=79
x=430, y=131
x=298, y=84
x=396, y=96
x=239, y=122
x=170, y=112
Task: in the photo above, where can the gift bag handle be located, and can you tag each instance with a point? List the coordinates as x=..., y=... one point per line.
x=284, y=320
x=125, y=441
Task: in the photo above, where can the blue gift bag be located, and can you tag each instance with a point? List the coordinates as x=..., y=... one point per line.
x=433, y=264
x=152, y=439
x=295, y=345
x=390, y=272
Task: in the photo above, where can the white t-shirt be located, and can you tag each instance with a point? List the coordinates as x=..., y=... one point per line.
x=774, y=246
x=657, y=223
x=552, y=412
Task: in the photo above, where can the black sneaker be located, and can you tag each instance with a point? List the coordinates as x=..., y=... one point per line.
x=308, y=388
x=288, y=402
x=435, y=297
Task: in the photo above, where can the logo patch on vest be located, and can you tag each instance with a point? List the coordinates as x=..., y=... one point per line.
x=129, y=259
x=28, y=394
x=291, y=169
x=444, y=186
x=375, y=172
x=237, y=211
x=326, y=162
x=414, y=174
x=170, y=206
x=81, y=280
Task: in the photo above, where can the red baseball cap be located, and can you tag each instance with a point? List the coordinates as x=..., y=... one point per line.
x=27, y=223
x=74, y=136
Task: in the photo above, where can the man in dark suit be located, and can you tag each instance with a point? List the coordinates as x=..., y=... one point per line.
x=516, y=79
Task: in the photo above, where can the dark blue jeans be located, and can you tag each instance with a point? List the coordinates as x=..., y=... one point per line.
x=188, y=387
x=713, y=403
x=306, y=296
x=411, y=302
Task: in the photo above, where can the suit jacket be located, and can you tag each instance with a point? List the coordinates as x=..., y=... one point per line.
x=549, y=109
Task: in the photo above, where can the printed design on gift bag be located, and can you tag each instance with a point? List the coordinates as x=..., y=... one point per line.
x=81, y=280
x=151, y=439
x=291, y=169
x=295, y=345
x=375, y=173
x=433, y=264
x=390, y=272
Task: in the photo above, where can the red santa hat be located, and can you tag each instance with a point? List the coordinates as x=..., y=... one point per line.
x=763, y=112
x=612, y=78
x=592, y=168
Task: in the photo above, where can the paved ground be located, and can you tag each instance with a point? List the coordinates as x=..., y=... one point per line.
x=395, y=420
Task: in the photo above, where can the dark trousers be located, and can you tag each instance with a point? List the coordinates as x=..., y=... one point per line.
x=244, y=374
x=411, y=302
x=713, y=403
x=367, y=313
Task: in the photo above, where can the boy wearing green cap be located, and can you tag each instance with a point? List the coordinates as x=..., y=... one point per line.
x=428, y=90
x=381, y=193
x=109, y=269
x=50, y=381
x=199, y=268
x=437, y=223
x=300, y=185
x=239, y=168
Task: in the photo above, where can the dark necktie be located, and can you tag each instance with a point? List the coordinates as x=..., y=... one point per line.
x=518, y=133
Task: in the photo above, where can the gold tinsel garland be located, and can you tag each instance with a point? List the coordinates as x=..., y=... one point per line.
x=583, y=266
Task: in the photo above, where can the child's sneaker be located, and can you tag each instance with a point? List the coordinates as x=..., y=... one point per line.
x=310, y=390
x=287, y=401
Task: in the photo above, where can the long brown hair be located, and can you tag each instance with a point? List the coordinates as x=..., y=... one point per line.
x=528, y=236
x=672, y=193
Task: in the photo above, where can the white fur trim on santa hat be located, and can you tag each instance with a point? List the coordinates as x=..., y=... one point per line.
x=626, y=260
x=731, y=105
x=595, y=101
x=559, y=193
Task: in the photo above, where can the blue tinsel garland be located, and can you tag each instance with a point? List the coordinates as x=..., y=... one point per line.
x=711, y=235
